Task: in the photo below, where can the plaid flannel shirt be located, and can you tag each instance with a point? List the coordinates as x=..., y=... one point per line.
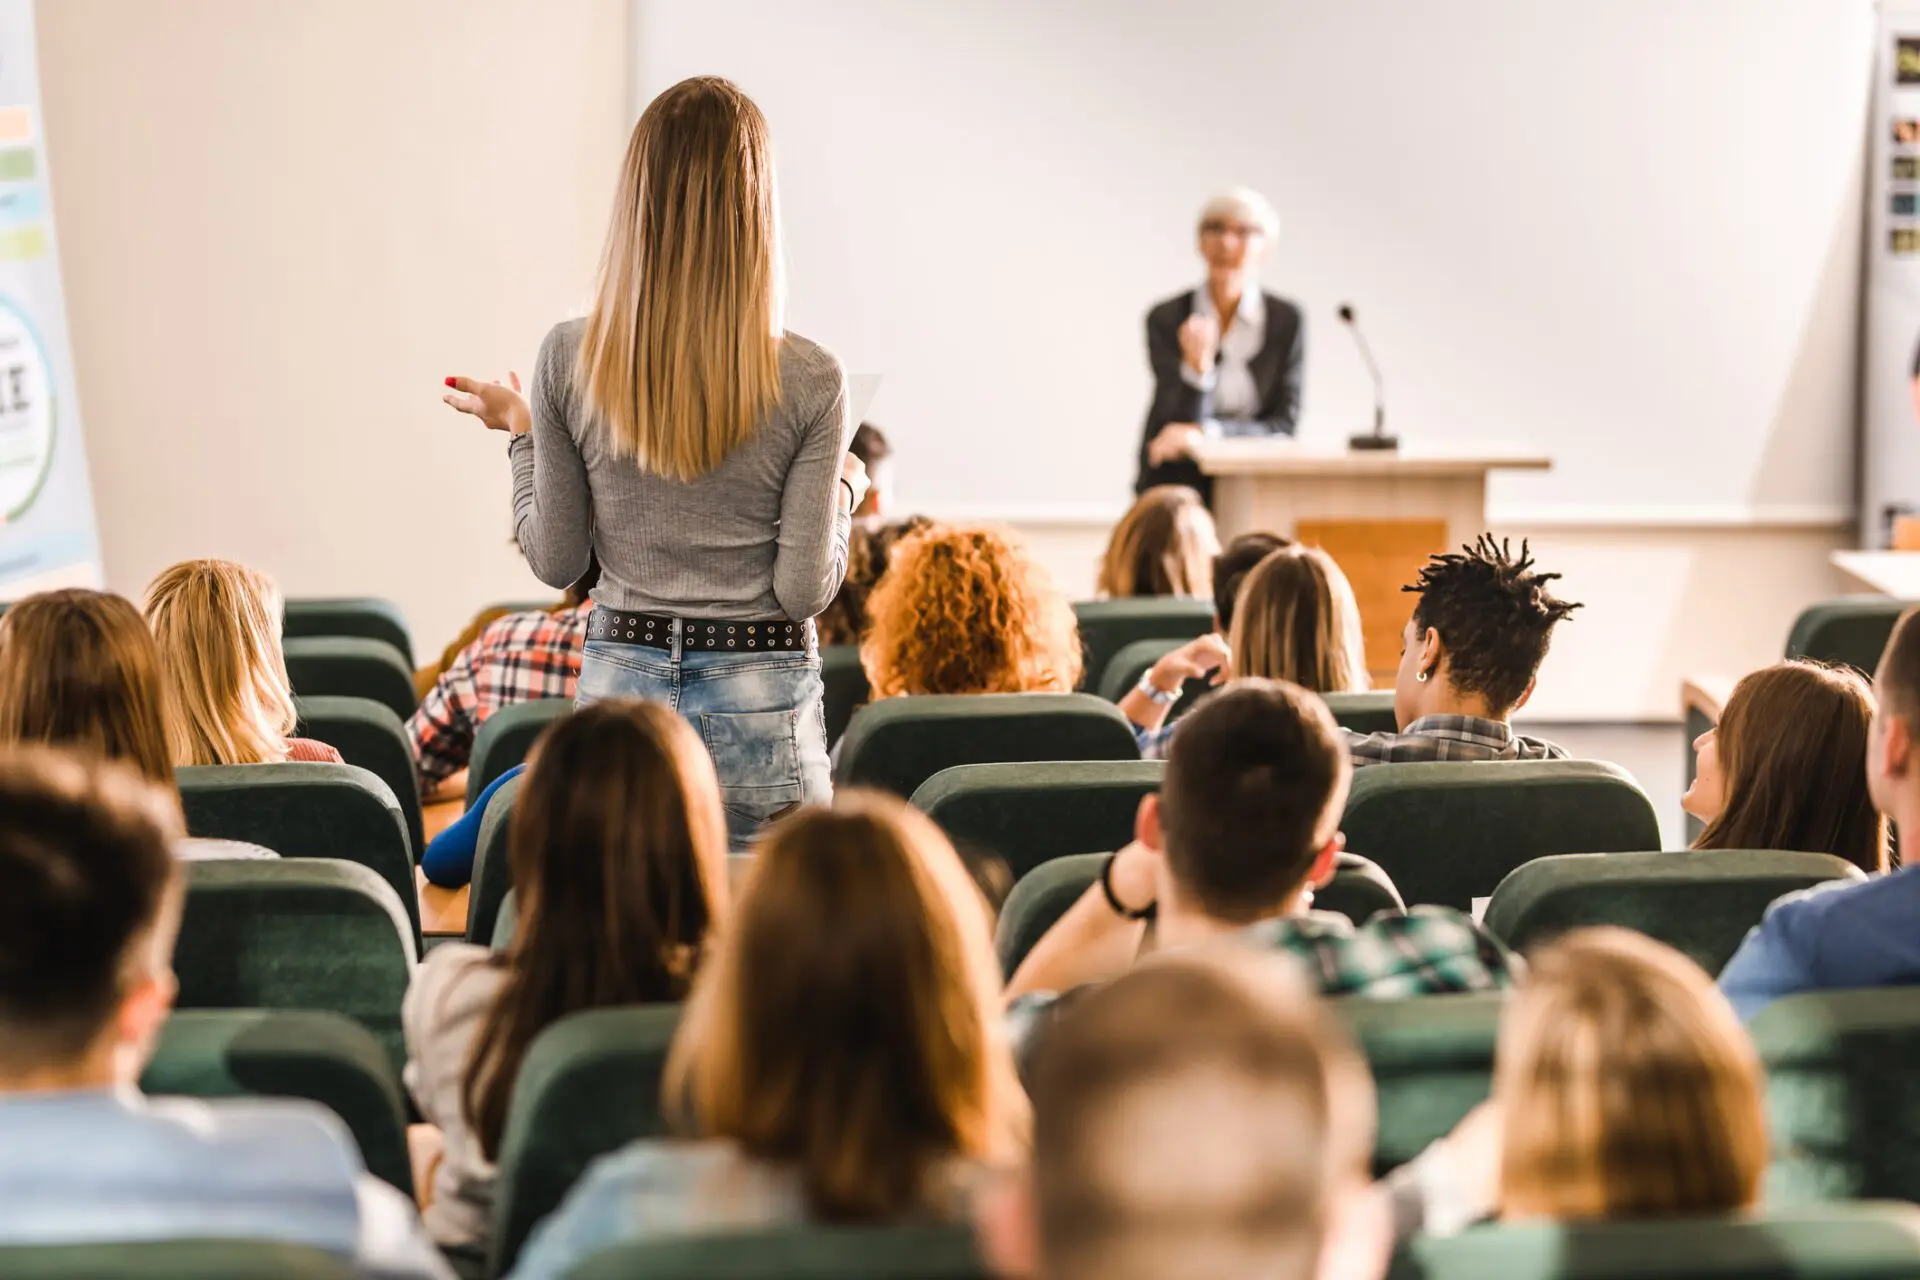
x=1421, y=952
x=1428, y=738
x=518, y=658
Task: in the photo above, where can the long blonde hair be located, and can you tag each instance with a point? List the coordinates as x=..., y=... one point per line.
x=217, y=624
x=1163, y=546
x=1295, y=619
x=680, y=358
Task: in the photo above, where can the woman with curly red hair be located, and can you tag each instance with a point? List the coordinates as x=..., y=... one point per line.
x=966, y=610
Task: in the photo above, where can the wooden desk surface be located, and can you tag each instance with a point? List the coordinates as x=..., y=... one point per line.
x=442, y=911
x=1284, y=456
x=1891, y=573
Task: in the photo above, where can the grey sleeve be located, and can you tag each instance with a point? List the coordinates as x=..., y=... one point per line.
x=812, y=556
x=552, y=505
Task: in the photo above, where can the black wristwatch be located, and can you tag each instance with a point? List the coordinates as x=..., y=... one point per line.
x=1113, y=899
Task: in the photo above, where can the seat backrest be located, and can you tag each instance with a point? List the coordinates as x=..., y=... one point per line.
x=368, y=617
x=590, y=1084
x=1432, y=1062
x=506, y=738
x=369, y=735
x=920, y=1251
x=492, y=872
x=1805, y=1242
x=173, y=1260
x=296, y=933
x=1843, y=1098
x=898, y=743
x=1026, y=814
x=306, y=811
x=1367, y=712
x=1448, y=833
x=351, y=667
x=1851, y=631
x=321, y=1057
x=845, y=684
x=1130, y=663
x=1701, y=902
x=1108, y=626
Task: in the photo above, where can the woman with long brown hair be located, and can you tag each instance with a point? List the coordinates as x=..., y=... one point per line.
x=843, y=1058
x=618, y=850
x=684, y=436
x=1786, y=767
x=1163, y=546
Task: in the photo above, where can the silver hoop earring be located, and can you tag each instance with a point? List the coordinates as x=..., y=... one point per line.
x=1422, y=677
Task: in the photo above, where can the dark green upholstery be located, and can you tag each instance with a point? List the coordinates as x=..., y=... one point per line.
x=1124, y=669
x=507, y=737
x=590, y=1084
x=1108, y=626
x=1043, y=895
x=1700, y=902
x=370, y=736
x=1851, y=631
x=174, y=1260
x=296, y=933
x=1843, y=1094
x=351, y=667
x=306, y=811
x=898, y=743
x=1368, y=712
x=1025, y=814
x=492, y=873
x=1432, y=1062
x=1814, y=1242
x=918, y=1252
x=845, y=681
x=321, y=1057
x=505, y=922
x=368, y=617
x=1448, y=833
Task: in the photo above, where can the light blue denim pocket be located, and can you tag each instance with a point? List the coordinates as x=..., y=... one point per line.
x=758, y=755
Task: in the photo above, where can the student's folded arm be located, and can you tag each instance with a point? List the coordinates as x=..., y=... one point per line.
x=1090, y=943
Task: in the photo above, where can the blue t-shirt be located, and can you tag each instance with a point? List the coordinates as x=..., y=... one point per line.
x=448, y=861
x=1831, y=937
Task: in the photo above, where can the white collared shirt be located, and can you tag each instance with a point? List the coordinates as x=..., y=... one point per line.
x=1232, y=390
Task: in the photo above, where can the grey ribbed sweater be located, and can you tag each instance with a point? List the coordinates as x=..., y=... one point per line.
x=763, y=535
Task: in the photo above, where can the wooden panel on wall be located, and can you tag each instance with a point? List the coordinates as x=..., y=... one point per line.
x=1379, y=557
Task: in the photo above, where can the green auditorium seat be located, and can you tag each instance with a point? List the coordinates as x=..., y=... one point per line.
x=296, y=933
x=589, y=1085
x=1367, y=712
x=1042, y=896
x=1843, y=1094
x=1850, y=631
x=367, y=617
x=321, y=1057
x=1108, y=626
x=915, y=1252
x=505, y=922
x=898, y=743
x=370, y=736
x=845, y=682
x=506, y=738
x=1448, y=833
x=306, y=811
x=1432, y=1062
x=1700, y=902
x=492, y=873
x=173, y=1260
x=1124, y=670
x=1814, y=1242
x=351, y=667
x=1026, y=814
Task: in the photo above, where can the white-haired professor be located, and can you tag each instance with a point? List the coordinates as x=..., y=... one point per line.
x=1227, y=358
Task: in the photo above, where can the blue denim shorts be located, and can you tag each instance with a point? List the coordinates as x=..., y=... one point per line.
x=760, y=714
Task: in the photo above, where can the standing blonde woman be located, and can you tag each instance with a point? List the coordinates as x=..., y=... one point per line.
x=680, y=433
x=217, y=625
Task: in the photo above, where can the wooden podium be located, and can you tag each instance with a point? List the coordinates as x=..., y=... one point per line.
x=1379, y=514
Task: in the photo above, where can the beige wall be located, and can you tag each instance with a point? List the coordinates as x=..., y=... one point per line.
x=281, y=225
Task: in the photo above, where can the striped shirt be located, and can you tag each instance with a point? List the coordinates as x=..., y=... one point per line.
x=1449, y=738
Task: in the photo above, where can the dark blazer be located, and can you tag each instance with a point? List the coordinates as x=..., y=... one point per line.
x=1277, y=369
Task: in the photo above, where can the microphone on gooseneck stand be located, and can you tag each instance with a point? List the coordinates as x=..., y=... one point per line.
x=1379, y=439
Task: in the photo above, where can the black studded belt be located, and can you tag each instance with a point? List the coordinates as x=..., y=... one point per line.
x=697, y=635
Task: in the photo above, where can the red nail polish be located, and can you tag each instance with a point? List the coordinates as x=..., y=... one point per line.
x=451, y=381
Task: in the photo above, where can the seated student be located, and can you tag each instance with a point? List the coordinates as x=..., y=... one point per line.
x=1850, y=934
x=1478, y=635
x=217, y=625
x=619, y=855
x=870, y=445
x=1163, y=546
x=966, y=610
x=1295, y=620
x=424, y=678
x=521, y=657
x=79, y=669
x=1786, y=768
x=89, y=908
x=1200, y=1116
x=868, y=548
x=1246, y=824
x=842, y=1058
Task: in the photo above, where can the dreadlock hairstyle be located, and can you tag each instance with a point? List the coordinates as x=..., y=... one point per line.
x=1494, y=615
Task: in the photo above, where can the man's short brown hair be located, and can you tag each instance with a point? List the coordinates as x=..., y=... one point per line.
x=1256, y=777
x=1897, y=686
